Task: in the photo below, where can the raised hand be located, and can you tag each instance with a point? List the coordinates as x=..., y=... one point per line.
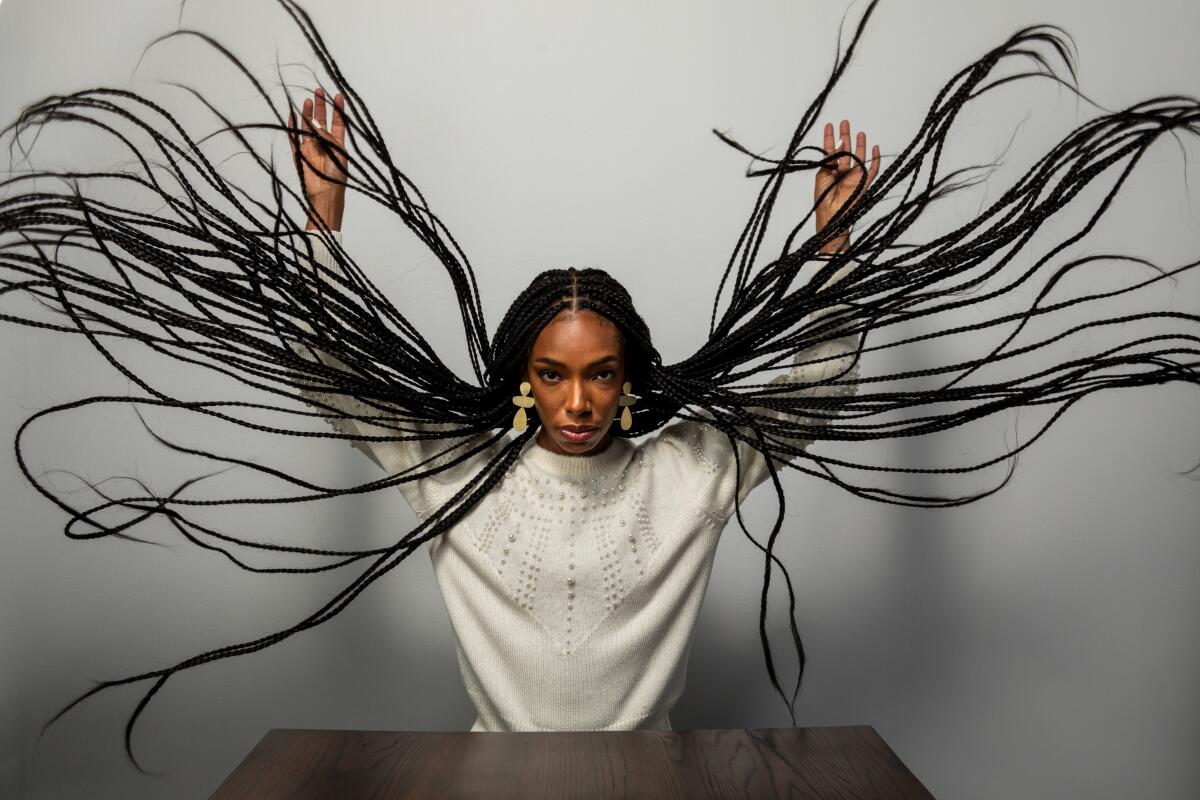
x=840, y=179
x=321, y=168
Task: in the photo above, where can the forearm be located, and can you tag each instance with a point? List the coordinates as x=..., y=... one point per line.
x=329, y=211
x=838, y=244
x=321, y=267
x=351, y=414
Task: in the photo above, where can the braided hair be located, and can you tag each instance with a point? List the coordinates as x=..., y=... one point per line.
x=219, y=277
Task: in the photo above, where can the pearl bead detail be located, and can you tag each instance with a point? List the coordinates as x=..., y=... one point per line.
x=595, y=513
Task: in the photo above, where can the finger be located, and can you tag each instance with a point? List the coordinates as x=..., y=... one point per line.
x=319, y=110
x=844, y=161
x=309, y=146
x=338, y=130
x=860, y=149
x=829, y=146
x=304, y=136
x=338, y=125
x=296, y=131
x=874, y=168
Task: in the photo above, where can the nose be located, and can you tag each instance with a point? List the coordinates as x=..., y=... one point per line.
x=577, y=404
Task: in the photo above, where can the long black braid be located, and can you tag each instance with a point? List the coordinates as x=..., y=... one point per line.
x=221, y=277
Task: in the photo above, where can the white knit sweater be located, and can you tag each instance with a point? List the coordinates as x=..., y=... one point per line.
x=574, y=585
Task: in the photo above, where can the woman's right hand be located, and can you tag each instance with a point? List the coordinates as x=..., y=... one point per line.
x=320, y=171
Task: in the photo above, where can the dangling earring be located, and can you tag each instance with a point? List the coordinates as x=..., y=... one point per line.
x=625, y=402
x=521, y=421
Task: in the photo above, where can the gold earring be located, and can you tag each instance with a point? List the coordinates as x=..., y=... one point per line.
x=625, y=402
x=521, y=421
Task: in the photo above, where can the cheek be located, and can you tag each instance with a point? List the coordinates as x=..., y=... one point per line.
x=547, y=399
x=611, y=397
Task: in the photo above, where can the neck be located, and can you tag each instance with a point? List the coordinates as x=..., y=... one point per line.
x=614, y=458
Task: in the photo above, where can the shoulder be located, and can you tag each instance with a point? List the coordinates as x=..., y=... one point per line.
x=690, y=457
x=690, y=444
x=462, y=460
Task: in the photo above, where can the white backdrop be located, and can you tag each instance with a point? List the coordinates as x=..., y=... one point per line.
x=1040, y=643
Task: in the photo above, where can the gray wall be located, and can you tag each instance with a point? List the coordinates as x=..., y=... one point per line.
x=1041, y=643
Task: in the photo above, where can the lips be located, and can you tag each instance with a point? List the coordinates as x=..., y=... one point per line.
x=577, y=433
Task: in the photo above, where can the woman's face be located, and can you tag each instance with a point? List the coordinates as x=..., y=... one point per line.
x=576, y=368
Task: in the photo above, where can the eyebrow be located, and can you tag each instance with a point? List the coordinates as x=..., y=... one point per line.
x=595, y=363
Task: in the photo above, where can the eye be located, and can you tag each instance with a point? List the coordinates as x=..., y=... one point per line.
x=606, y=374
x=548, y=372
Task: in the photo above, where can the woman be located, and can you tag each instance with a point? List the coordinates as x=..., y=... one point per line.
x=592, y=553
x=585, y=611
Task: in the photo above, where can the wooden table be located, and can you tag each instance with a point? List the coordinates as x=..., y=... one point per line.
x=847, y=762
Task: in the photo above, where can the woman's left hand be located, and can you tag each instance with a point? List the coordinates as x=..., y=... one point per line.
x=322, y=169
x=838, y=181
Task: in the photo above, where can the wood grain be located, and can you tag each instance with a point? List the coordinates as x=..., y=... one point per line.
x=843, y=762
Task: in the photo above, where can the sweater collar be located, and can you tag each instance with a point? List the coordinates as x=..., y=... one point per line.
x=612, y=460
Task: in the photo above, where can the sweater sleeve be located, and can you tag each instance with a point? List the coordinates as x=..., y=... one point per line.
x=424, y=494
x=700, y=451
